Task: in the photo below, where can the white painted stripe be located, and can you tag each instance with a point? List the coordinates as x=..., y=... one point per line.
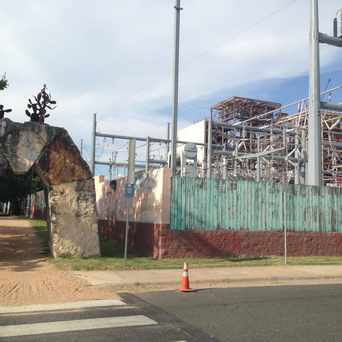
x=62, y=306
x=37, y=313
x=76, y=325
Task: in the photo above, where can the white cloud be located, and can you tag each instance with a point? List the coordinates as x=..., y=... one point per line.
x=115, y=57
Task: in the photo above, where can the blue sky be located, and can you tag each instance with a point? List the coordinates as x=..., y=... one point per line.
x=278, y=90
x=115, y=58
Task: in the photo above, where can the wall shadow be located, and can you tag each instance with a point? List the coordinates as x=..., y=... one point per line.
x=21, y=249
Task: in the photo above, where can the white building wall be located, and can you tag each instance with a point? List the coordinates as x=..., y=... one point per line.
x=151, y=202
x=195, y=133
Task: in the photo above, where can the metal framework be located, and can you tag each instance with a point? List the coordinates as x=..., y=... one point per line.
x=314, y=171
x=298, y=143
x=258, y=144
x=250, y=142
x=147, y=163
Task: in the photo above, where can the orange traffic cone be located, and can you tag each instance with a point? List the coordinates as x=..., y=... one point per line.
x=185, y=284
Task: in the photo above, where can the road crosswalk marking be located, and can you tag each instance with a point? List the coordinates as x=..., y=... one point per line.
x=74, y=325
x=41, y=319
x=63, y=306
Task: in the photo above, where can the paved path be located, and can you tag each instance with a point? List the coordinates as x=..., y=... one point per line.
x=18, y=243
x=100, y=320
x=26, y=277
x=215, y=277
x=272, y=314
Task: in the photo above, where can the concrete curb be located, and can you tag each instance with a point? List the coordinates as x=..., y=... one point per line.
x=226, y=282
x=139, y=279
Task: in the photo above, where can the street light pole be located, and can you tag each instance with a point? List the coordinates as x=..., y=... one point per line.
x=175, y=90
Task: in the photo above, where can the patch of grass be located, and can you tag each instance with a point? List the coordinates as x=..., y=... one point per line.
x=315, y=260
x=39, y=225
x=145, y=263
x=41, y=229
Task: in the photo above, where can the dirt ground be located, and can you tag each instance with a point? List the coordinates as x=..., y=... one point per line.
x=26, y=277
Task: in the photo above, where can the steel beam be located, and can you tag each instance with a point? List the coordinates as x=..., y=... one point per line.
x=152, y=162
x=141, y=139
x=147, y=165
x=258, y=160
x=335, y=107
x=328, y=91
x=259, y=154
x=123, y=165
x=326, y=39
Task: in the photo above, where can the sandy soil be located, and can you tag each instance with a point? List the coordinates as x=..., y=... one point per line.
x=26, y=277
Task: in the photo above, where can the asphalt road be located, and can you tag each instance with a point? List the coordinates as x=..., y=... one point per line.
x=131, y=322
x=277, y=314
x=284, y=313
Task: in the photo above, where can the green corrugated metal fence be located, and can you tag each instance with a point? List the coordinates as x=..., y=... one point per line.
x=208, y=204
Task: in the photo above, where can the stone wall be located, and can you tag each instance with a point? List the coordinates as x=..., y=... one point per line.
x=196, y=243
x=159, y=241
x=51, y=153
x=73, y=221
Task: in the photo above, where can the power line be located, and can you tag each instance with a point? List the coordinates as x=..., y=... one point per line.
x=123, y=147
x=141, y=146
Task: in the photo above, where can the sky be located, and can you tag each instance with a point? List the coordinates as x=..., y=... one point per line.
x=115, y=58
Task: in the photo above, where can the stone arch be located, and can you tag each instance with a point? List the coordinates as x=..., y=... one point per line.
x=50, y=152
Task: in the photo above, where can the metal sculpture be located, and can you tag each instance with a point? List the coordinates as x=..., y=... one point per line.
x=3, y=82
x=3, y=111
x=3, y=85
x=39, y=107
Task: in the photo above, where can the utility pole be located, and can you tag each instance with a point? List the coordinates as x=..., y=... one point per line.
x=314, y=172
x=175, y=90
x=93, y=147
x=112, y=161
x=147, y=165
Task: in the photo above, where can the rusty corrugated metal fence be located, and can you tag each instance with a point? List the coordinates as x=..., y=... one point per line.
x=209, y=204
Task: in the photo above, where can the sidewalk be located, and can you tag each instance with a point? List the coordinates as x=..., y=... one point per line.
x=214, y=277
x=26, y=276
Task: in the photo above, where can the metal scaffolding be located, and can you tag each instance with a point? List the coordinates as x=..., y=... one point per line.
x=244, y=139
x=250, y=143
x=148, y=162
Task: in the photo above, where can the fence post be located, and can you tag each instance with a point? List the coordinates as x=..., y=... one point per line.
x=285, y=226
